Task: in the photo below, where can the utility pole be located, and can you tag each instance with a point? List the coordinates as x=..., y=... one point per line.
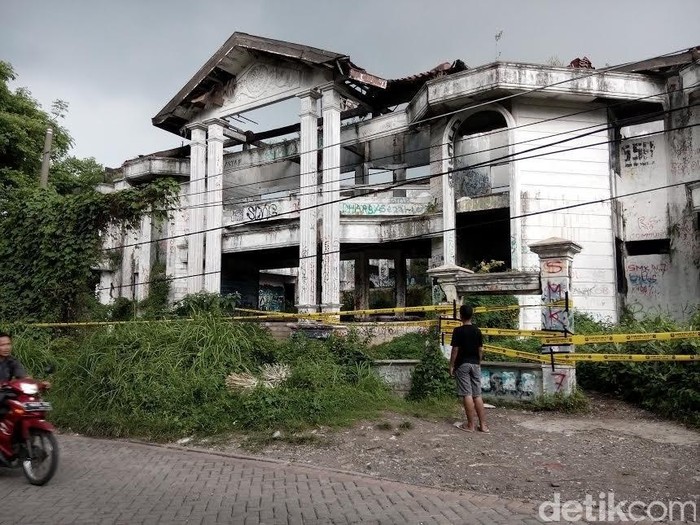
x=44, y=180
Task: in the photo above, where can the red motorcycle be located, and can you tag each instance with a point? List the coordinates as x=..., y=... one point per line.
x=26, y=438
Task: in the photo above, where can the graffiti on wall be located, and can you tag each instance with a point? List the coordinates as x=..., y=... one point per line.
x=261, y=211
x=473, y=182
x=512, y=383
x=643, y=279
x=266, y=211
x=396, y=206
x=638, y=153
x=271, y=298
x=592, y=290
x=555, y=285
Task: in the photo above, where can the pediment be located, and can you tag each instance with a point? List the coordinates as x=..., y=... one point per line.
x=261, y=83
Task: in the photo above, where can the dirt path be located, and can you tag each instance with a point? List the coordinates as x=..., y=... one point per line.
x=527, y=455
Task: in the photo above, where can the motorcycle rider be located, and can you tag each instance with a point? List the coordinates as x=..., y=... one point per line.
x=10, y=367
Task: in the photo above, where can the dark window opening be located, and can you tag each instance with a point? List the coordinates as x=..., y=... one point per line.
x=484, y=236
x=652, y=247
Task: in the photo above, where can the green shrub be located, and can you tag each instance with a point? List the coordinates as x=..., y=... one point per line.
x=503, y=319
x=407, y=346
x=202, y=303
x=419, y=295
x=431, y=377
x=667, y=388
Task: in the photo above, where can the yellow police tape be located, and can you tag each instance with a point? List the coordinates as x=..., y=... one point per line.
x=573, y=357
x=331, y=317
x=450, y=324
x=619, y=338
x=529, y=356
x=384, y=311
x=89, y=324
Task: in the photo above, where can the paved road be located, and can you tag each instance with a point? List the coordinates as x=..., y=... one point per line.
x=102, y=481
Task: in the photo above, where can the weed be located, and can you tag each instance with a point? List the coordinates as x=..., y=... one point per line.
x=574, y=403
x=384, y=425
x=406, y=425
x=431, y=378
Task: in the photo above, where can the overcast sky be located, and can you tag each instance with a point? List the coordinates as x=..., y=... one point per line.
x=117, y=63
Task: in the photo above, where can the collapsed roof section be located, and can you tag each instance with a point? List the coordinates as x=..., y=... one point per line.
x=374, y=94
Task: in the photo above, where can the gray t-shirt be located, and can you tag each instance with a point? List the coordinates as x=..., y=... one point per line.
x=11, y=368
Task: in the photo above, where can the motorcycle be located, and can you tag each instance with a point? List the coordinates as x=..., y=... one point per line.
x=26, y=438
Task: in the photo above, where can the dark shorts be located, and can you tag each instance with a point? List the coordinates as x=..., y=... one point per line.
x=468, y=378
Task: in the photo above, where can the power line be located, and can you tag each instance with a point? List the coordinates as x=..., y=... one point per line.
x=492, y=162
x=366, y=186
x=474, y=106
x=597, y=201
x=474, y=225
x=500, y=130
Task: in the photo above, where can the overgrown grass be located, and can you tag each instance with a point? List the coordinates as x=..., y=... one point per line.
x=407, y=346
x=166, y=380
x=162, y=381
x=671, y=389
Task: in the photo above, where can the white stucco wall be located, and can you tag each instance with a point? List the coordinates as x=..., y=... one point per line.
x=561, y=178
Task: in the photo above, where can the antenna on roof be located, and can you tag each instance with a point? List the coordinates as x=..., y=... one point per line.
x=497, y=37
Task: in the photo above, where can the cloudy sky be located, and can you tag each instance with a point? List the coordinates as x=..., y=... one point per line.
x=118, y=63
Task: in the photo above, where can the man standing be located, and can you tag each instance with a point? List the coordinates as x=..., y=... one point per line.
x=465, y=367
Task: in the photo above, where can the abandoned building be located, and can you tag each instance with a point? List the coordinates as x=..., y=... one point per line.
x=456, y=165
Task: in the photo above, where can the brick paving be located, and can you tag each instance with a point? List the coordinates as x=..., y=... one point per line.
x=117, y=482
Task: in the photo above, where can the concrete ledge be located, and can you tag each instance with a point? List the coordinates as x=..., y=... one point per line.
x=499, y=283
x=499, y=380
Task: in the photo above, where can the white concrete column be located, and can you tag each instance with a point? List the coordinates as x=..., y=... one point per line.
x=143, y=258
x=308, y=196
x=449, y=221
x=176, y=248
x=330, y=282
x=197, y=187
x=128, y=267
x=215, y=208
x=438, y=252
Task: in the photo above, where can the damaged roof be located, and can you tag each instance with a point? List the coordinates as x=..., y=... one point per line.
x=374, y=93
x=216, y=71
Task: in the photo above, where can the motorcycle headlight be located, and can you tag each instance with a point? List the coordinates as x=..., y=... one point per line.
x=29, y=388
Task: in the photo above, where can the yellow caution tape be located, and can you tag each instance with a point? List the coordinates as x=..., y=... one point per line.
x=517, y=354
x=370, y=324
x=619, y=338
x=573, y=357
x=504, y=332
x=88, y=324
x=624, y=357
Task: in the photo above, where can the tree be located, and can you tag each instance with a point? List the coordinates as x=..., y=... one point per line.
x=22, y=131
x=50, y=238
